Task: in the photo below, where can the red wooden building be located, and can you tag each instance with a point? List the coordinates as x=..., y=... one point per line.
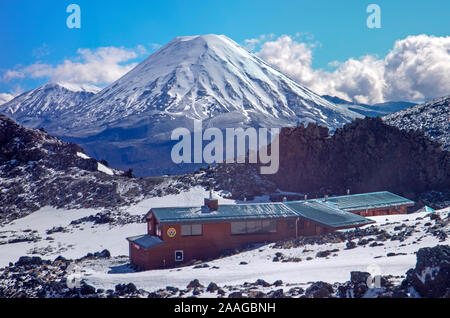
x=177, y=235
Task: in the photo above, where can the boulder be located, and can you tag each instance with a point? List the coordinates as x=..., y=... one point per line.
x=319, y=290
x=194, y=284
x=431, y=276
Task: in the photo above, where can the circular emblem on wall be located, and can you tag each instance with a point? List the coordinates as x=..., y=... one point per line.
x=171, y=232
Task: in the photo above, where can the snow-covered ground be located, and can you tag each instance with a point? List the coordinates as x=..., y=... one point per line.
x=106, y=273
x=228, y=271
x=84, y=238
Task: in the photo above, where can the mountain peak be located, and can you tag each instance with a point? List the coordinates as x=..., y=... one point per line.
x=204, y=37
x=203, y=77
x=46, y=103
x=72, y=87
x=77, y=87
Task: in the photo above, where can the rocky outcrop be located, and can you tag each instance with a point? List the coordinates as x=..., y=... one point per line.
x=431, y=276
x=363, y=156
x=433, y=118
x=33, y=277
x=37, y=169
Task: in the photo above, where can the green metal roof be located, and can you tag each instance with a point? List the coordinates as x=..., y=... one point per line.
x=145, y=241
x=223, y=214
x=333, y=213
x=326, y=214
x=368, y=201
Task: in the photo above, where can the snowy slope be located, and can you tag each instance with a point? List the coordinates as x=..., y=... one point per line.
x=380, y=109
x=79, y=239
x=260, y=265
x=48, y=103
x=38, y=170
x=433, y=118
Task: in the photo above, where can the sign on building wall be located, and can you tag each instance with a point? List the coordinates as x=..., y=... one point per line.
x=171, y=232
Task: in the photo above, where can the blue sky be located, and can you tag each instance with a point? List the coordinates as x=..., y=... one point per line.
x=35, y=31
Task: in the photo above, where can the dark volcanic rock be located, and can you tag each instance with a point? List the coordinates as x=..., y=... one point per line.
x=431, y=276
x=212, y=287
x=279, y=293
x=235, y=295
x=27, y=260
x=359, y=277
x=37, y=169
x=122, y=289
x=33, y=277
x=356, y=287
x=431, y=117
x=319, y=290
x=194, y=284
x=365, y=155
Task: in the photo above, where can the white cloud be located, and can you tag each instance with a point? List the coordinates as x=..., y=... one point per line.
x=417, y=68
x=291, y=57
x=5, y=97
x=100, y=66
x=252, y=44
x=11, y=74
x=41, y=51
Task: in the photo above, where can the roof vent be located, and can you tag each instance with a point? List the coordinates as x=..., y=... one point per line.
x=210, y=203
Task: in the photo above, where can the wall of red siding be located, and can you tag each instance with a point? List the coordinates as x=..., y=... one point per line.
x=216, y=238
x=382, y=211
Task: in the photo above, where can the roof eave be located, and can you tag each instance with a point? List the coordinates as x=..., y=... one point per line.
x=222, y=220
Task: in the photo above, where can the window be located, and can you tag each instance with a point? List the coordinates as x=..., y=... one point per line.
x=179, y=256
x=158, y=230
x=254, y=227
x=191, y=229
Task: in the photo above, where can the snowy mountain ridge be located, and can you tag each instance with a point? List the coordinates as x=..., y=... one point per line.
x=206, y=77
x=48, y=103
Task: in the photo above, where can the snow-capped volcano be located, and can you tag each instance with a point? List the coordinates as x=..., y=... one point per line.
x=207, y=77
x=47, y=104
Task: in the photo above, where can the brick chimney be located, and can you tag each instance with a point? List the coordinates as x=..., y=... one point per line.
x=212, y=204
